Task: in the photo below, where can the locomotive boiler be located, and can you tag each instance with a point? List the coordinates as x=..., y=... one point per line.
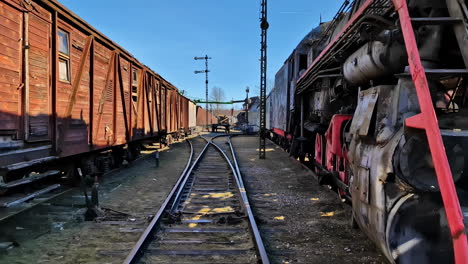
x=376, y=101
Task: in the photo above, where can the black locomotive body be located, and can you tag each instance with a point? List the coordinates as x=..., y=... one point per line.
x=352, y=106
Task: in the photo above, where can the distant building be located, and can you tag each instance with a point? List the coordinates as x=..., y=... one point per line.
x=253, y=117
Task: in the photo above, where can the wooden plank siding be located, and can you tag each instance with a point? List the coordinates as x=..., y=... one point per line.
x=11, y=27
x=39, y=92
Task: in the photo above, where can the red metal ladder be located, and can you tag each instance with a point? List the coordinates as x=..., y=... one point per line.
x=427, y=121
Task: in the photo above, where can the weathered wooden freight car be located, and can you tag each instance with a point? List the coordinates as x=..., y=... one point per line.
x=67, y=91
x=192, y=109
x=202, y=117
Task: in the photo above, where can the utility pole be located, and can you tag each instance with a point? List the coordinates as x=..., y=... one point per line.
x=263, y=74
x=247, y=90
x=206, y=71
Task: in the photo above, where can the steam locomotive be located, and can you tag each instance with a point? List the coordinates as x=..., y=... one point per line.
x=376, y=101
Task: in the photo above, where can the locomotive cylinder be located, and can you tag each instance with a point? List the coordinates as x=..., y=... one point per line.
x=374, y=60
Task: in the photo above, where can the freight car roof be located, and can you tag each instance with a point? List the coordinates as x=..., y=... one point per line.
x=68, y=15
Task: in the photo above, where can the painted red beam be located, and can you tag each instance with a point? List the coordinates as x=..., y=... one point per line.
x=355, y=17
x=427, y=120
x=279, y=132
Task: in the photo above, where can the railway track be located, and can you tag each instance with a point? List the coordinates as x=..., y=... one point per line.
x=206, y=218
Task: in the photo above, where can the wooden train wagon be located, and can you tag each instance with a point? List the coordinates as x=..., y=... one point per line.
x=202, y=117
x=192, y=109
x=66, y=89
x=184, y=114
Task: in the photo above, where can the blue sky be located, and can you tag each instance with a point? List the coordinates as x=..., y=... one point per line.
x=166, y=35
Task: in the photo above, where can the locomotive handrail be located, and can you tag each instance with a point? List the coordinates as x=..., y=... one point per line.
x=427, y=121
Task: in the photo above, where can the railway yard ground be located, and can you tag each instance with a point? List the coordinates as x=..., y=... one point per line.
x=299, y=221
x=350, y=146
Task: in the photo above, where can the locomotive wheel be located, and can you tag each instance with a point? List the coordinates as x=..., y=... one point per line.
x=320, y=149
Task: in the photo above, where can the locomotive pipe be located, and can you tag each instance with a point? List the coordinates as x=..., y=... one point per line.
x=302, y=116
x=373, y=61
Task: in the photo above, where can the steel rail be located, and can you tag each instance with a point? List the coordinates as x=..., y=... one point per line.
x=187, y=176
x=175, y=194
x=136, y=251
x=240, y=183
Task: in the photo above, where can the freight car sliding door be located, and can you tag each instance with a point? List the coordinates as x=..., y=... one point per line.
x=175, y=114
x=163, y=113
x=157, y=103
x=178, y=115
x=38, y=94
x=103, y=94
x=168, y=110
x=170, y=105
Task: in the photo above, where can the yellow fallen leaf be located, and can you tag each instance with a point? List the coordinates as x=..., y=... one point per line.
x=223, y=210
x=267, y=150
x=314, y=199
x=204, y=211
x=279, y=218
x=222, y=196
x=327, y=214
x=193, y=225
